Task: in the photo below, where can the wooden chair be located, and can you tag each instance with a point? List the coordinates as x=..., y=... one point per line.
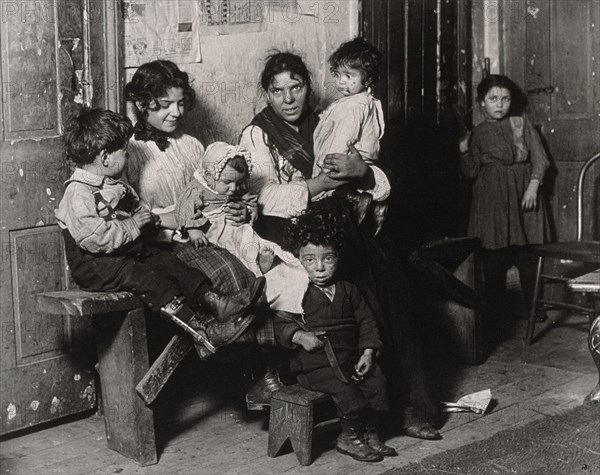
x=586, y=252
x=589, y=286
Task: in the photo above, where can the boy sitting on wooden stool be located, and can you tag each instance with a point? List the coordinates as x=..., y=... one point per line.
x=336, y=341
x=108, y=239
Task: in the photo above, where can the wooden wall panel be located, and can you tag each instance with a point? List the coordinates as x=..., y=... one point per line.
x=571, y=60
x=29, y=70
x=45, y=361
x=549, y=50
x=396, y=57
x=413, y=47
x=37, y=254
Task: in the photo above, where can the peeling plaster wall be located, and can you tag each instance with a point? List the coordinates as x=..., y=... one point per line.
x=227, y=79
x=487, y=42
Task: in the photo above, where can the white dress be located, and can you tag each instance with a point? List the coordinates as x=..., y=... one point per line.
x=286, y=282
x=357, y=118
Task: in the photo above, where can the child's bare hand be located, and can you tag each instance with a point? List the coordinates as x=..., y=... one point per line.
x=198, y=238
x=310, y=341
x=143, y=218
x=463, y=145
x=529, y=201
x=365, y=364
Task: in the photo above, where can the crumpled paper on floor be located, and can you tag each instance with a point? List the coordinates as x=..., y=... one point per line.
x=475, y=402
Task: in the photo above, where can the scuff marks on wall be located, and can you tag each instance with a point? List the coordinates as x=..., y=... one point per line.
x=89, y=393
x=532, y=11
x=55, y=405
x=11, y=411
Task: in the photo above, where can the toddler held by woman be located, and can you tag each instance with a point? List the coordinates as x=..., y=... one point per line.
x=355, y=118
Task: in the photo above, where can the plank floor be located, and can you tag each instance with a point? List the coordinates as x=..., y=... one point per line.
x=209, y=432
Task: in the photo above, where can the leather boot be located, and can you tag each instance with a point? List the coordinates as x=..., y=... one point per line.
x=204, y=329
x=259, y=395
x=351, y=441
x=231, y=307
x=373, y=441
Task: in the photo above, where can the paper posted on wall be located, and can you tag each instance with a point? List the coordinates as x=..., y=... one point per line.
x=165, y=29
x=225, y=17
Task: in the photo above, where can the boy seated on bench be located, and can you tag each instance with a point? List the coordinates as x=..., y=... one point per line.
x=336, y=341
x=106, y=229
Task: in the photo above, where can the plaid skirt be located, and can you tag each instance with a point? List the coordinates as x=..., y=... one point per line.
x=228, y=274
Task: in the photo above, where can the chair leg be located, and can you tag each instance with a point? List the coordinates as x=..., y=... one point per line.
x=594, y=347
x=534, y=302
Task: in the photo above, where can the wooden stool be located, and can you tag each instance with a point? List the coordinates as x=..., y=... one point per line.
x=292, y=417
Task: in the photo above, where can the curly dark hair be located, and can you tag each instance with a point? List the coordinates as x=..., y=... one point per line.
x=278, y=62
x=95, y=130
x=358, y=54
x=518, y=97
x=151, y=82
x=315, y=226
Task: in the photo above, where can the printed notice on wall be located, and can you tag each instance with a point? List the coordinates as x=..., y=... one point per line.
x=225, y=17
x=161, y=29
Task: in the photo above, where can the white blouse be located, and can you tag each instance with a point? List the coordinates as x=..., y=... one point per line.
x=160, y=177
x=285, y=194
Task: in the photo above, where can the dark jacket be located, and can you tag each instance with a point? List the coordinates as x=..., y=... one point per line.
x=348, y=321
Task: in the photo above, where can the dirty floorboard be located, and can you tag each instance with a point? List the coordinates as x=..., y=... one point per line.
x=205, y=432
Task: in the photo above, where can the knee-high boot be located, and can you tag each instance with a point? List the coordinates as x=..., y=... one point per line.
x=207, y=332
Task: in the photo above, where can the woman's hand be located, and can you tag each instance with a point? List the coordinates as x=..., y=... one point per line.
x=236, y=213
x=365, y=364
x=198, y=238
x=310, y=341
x=341, y=166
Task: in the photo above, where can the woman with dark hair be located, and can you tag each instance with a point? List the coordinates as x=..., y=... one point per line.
x=161, y=164
x=280, y=139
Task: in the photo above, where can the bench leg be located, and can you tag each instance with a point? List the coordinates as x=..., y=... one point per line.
x=123, y=360
x=162, y=369
x=294, y=422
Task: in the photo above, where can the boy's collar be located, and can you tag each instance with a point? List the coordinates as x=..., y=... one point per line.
x=90, y=177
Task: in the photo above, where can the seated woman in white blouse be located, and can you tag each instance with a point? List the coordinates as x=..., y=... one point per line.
x=162, y=161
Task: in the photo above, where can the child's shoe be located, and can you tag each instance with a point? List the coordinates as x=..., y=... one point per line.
x=231, y=307
x=373, y=441
x=351, y=441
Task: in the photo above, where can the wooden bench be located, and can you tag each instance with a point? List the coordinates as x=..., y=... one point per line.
x=293, y=418
x=128, y=384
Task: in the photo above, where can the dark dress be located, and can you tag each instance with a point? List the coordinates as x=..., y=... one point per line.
x=504, y=156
